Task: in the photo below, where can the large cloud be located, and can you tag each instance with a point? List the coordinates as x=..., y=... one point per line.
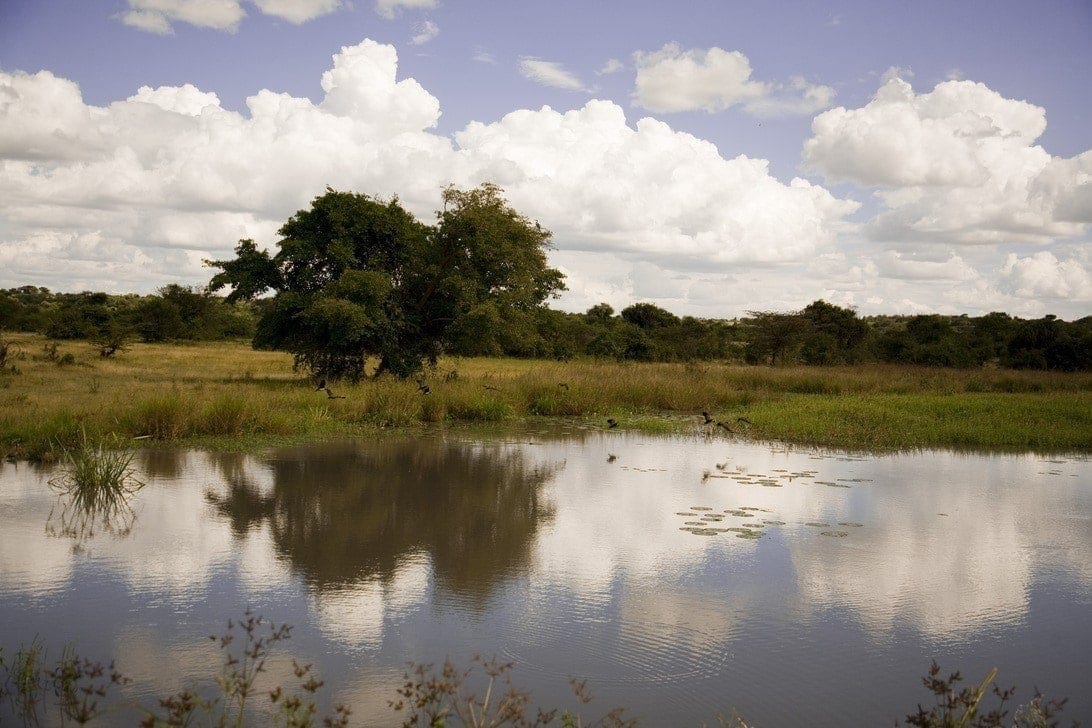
x=1043, y=275
x=956, y=165
x=601, y=184
x=714, y=79
x=136, y=193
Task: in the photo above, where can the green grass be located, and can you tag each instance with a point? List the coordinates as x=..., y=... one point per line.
x=228, y=396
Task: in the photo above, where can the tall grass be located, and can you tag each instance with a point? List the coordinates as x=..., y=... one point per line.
x=95, y=485
x=225, y=394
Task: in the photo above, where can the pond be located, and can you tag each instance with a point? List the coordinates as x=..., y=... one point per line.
x=678, y=575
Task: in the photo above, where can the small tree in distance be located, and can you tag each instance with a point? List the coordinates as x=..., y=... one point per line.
x=356, y=277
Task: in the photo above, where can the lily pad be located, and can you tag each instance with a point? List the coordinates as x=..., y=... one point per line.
x=817, y=524
x=774, y=523
x=834, y=534
x=685, y=513
x=749, y=535
x=700, y=508
x=851, y=524
x=694, y=523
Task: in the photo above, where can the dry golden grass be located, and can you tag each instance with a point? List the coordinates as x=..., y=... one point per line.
x=226, y=394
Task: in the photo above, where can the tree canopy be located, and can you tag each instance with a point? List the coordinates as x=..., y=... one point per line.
x=356, y=277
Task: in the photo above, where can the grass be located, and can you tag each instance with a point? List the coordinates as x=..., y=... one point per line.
x=226, y=395
x=94, y=486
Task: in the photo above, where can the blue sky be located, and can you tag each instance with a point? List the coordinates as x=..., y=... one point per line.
x=941, y=151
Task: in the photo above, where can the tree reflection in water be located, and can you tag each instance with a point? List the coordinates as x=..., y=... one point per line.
x=345, y=513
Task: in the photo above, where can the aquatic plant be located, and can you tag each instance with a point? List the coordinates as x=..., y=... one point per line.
x=956, y=707
x=75, y=689
x=95, y=485
x=439, y=698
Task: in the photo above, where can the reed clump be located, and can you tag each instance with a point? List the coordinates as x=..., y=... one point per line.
x=95, y=477
x=226, y=393
x=93, y=487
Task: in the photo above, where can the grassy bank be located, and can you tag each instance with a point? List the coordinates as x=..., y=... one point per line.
x=227, y=395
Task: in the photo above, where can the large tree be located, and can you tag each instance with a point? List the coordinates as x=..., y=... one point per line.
x=357, y=277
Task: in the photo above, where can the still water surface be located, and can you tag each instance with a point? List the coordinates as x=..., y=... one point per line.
x=540, y=548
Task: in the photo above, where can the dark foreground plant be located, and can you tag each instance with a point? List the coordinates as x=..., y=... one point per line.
x=956, y=707
x=444, y=698
x=79, y=691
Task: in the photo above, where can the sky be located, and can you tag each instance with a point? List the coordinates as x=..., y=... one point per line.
x=709, y=157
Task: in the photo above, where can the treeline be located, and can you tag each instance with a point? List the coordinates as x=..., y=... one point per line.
x=819, y=334
x=173, y=313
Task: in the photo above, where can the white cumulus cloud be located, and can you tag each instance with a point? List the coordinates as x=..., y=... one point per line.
x=673, y=80
x=958, y=164
x=1042, y=275
x=603, y=185
x=135, y=194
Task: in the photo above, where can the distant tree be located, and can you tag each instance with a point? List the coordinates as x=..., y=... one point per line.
x=1049, y=343
x=833, y=334
x=600, y=313
x=991, y=335
x=358, y=277
x=773, y=336
x=649, y=316
x=79, y=316
x=112, y=339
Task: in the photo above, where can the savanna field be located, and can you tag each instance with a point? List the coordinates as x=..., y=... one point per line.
x=226, y=395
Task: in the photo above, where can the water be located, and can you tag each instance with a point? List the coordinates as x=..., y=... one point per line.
x=539, y=548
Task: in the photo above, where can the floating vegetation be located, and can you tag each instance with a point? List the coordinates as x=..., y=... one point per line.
x=700, y=508
x=850, y=524
x=740, y=529
x=694, y=523
x=825, y=482
x=817, y=524
x=772, y=484
x=750, y=508
x=834, y=534
x=750, y=535
x=739, y=513
x=775, y=523
x=836, y=485
x=685, y=513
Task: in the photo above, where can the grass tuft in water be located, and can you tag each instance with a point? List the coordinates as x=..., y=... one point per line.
x=95, y=485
